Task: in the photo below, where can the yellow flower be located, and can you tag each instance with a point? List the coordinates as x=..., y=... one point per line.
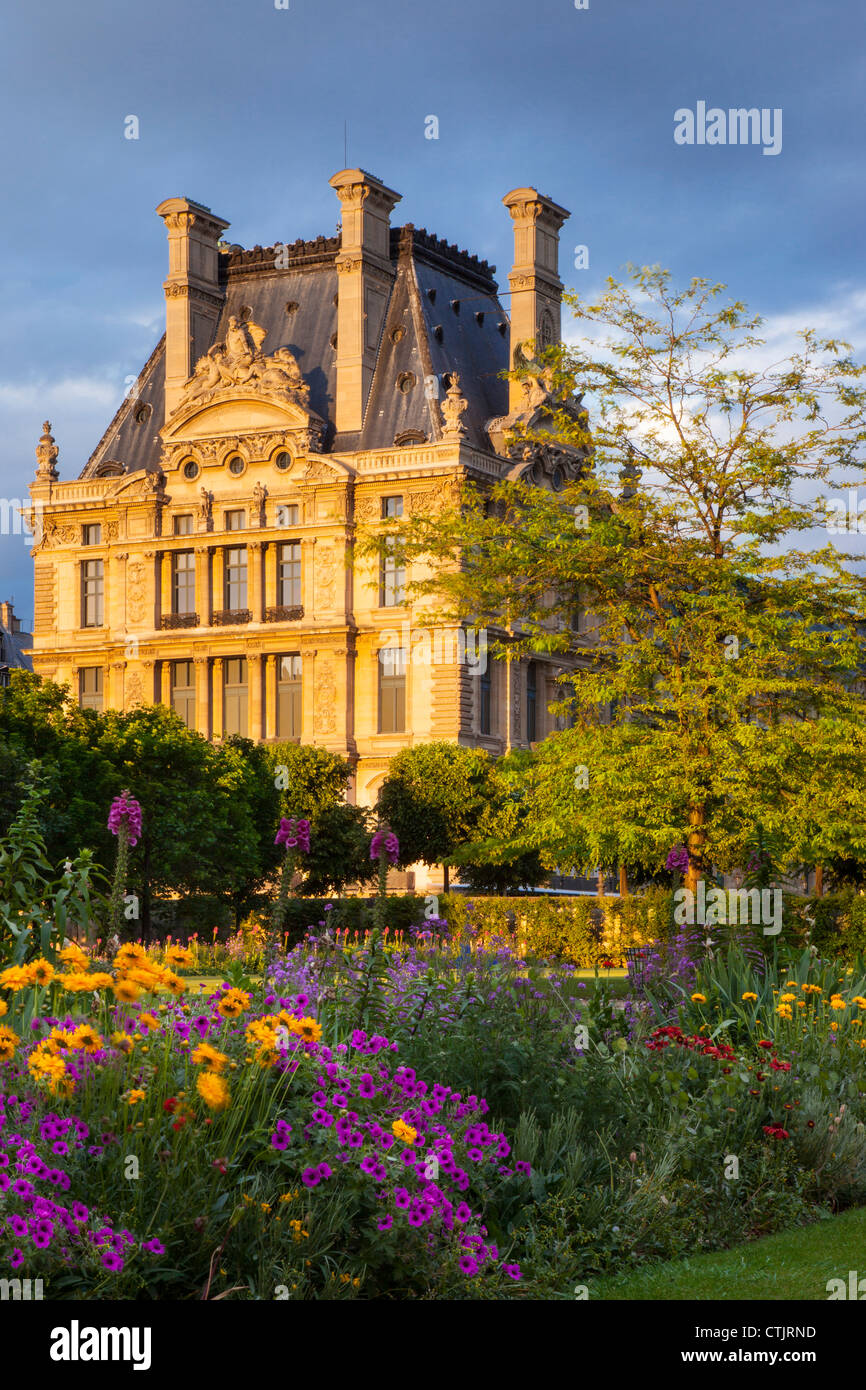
x=699, y=999
x=128, y=955
x=837, y=1003
x=811, y=989
x=233, y=1002
x=208, y=1055
x=143, y=975
x=126, y=991
x=122, y=1041
x=213, y=1091
x=784, y=1011
x=134, y=1097
x=748, y=995
x=99, y=981
x=178, y=956
x=148, y=1020
x=73, y=955
x=306, y=1028
x=790, y=984
x=173, y=982
x=14, y=978
x=859, y=1001
x=41, y=971
x=405, y=1132
x=43, y=1067
x=86, y=1039
x=8, y=1043
x=834, y=1026
x=4, y=1007
x=787, y=998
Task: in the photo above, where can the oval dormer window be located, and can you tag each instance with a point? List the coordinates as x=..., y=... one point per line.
x=283, y=462
x=190, y=469
x=236, y=465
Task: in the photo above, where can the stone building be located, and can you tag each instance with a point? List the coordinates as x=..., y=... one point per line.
x=204, y=555
x=14, y=643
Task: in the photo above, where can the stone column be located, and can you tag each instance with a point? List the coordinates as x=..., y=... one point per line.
x=217, y=697
x=165, y=683
x=218, y=580
x=112, y=685
x=202, y=585
x=254, y=580
x=148, y=667
x=202, y=695
x=254, y=694
x=308, y=696
x=308, y=575
x=270, y=695
x=536, y=289
x=271, y=552
x=165, y=583
x=152, y=597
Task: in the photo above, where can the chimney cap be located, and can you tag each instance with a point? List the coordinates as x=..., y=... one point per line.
x=171, y=205
x=521, y=196
x=347, y=178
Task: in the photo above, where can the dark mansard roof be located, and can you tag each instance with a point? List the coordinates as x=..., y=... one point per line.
x=444, y=299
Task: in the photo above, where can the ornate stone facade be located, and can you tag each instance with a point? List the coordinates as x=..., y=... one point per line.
x=209, y=561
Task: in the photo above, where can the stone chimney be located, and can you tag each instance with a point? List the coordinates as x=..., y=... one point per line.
x=365, y=279
x=536, y=289
x=193, y=299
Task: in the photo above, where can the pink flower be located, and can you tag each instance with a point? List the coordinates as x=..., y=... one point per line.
x=125, y=809
x=385, y=842
x=294, y=834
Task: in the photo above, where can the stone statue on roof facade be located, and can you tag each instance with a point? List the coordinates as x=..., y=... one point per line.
x=239, y=361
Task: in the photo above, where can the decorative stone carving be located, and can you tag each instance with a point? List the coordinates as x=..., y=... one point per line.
x=46, y=455
x=326, y=577
x=367, y=508
x=134, y=691
x=135, y=591
x=453, y=408
x=205, y=509
x=432, y=499
x=260, y=494
x=319, y=473
x=239, y=361
x=325, y=719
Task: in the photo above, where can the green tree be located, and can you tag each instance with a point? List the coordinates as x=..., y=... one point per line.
x=497, y=860
x=713, y=642
x=434, y=799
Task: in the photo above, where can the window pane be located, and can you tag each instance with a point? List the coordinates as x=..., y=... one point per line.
x=183, y=582
x=235, y=696
x=183, y=525
x=91, y=593
x=289, y=688
x=90, y=687
x=485, y=711
x=392, y=581
x=289, y=575
x=531, y=702
x=93, y=534
x=183, y=691
x=236, y=578
x=235, y=520
x=392, y=690
x=392, y=506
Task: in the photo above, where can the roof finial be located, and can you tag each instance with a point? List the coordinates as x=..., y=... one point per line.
x=46, y=454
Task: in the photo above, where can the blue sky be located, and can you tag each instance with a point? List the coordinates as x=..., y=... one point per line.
x=241, y=106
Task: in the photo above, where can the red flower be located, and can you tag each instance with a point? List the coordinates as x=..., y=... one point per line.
x=170, y=1104
x=780, y=1066
x=178, y=1124
x=776, y=1132
x=765, y=1043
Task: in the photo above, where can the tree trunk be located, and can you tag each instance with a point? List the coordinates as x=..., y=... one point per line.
x=445, y=879
x=696, y=845
x=623, y=881
x=819, y=880
x=600, y=881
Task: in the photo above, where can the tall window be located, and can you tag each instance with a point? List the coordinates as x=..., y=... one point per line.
x=531, y=702
x=90, y=687
x=289, y=686
x=392, y=690
x=392, y=575
x=183, y=525
x=92, y=593
x=92, y=534
x=235, y=696
x=183, y=581
x=236, y=578
x=289, y=575
x=236, y=520
x=183, y=691
x=485, y=702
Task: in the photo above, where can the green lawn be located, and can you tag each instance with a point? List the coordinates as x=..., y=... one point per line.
x=792, y=1265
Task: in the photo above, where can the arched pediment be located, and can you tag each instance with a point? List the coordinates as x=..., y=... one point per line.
x=236, y=412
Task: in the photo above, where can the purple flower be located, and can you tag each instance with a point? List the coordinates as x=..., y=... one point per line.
x=385, y=1223
x=513, y=1271
x=110, y=1260
x=294, y=834
x=16, y=1258
x=125, y=810
x=154, y=1247
x=401, y=1197
x=678, y=859
x=325, y=1171
x=468, y=1264
x=311, y=1177
x=385, y=842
